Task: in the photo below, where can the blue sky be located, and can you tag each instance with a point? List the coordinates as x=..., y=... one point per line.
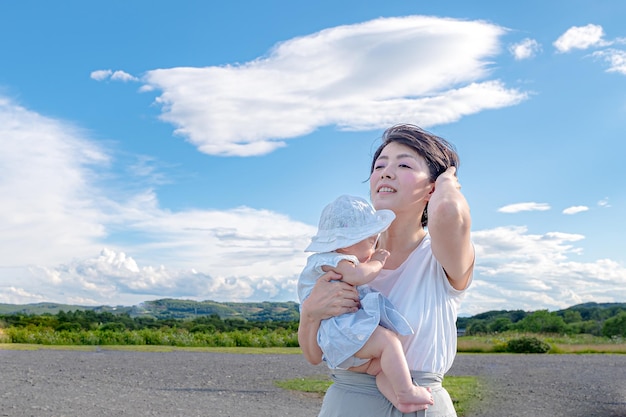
x=155, y=149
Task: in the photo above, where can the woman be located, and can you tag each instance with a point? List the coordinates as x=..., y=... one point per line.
x=425, y=276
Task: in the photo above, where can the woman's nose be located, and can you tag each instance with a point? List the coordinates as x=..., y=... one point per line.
x=386, y=173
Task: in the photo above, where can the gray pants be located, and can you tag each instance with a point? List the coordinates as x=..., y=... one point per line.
x=356, y=395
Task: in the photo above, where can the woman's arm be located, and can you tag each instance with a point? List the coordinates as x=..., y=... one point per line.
x=449, y=224
x=328, y=298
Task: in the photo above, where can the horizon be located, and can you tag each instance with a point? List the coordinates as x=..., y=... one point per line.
x=465, y=315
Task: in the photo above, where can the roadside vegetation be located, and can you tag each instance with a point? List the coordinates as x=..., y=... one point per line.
x=587, y=328
x=608, y=320
x=102, y=329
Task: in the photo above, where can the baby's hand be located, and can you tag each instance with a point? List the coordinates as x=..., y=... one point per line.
x=380, y=255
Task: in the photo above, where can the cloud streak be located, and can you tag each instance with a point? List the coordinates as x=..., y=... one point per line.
x=518, y=207
x=575, y=209
x=615, y=58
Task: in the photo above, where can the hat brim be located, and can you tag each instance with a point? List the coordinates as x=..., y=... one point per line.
x=334, y=239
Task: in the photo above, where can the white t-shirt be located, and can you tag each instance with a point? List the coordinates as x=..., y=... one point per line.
x=421, y=292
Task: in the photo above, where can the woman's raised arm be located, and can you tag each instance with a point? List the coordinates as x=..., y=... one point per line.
x=449, y=224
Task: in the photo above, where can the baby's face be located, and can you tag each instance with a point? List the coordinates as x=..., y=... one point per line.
x=362, y=250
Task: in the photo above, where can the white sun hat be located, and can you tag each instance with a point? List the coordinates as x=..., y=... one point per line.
x=346, y=221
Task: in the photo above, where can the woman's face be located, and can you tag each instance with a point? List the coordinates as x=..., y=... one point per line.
x=400, y=180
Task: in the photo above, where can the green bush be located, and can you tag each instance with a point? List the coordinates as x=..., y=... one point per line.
x=476, y=328
x=71, y=327
x=527, y=344
x=615, y=326
x=202, y=328
x=541, y=321
x=591, y=327
x=113, y=326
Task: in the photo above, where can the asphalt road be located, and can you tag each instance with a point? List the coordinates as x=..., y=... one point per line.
x=58, y=383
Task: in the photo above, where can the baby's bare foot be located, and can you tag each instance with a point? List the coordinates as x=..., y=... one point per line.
x=418, y=398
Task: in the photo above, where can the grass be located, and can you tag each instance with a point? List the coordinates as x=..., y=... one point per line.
x=596, y=348
x=493, y=343
x=154, y=348
x=315, y=385
x=463, y=390
x=26, y=346
x=582, y=343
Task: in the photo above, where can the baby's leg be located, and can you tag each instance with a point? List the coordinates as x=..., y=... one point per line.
x=394, y=381
x=409, y=403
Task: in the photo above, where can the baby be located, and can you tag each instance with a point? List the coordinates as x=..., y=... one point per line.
x=364, y=341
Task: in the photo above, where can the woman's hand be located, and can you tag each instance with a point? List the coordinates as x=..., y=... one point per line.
x=328, y=298
x=448, y=178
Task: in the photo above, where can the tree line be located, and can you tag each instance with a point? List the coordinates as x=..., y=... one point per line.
x=606, y=320
x=90, y=327
x=92, y=320
x=87, y=327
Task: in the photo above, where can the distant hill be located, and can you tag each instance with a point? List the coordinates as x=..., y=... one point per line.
x=169, y=308
x=592, y=305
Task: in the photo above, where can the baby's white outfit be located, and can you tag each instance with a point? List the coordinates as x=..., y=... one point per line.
x=342, y=336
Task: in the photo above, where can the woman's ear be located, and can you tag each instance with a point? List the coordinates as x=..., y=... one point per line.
x=430, y=193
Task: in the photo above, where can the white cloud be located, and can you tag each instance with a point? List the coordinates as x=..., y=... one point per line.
x=581, y=37
x=514, y=245
x=585, y=37
x=122, y=76
x=101, y=75
x=235, y=255
x=114, y=278
x=615, y=58
x=56, y=215
x=14, y=295
x=525, y=49
x=518, y=270
x=575, y=209
x=49, y=208
x=516, y=208
x=356, y=77
x=604, y=202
